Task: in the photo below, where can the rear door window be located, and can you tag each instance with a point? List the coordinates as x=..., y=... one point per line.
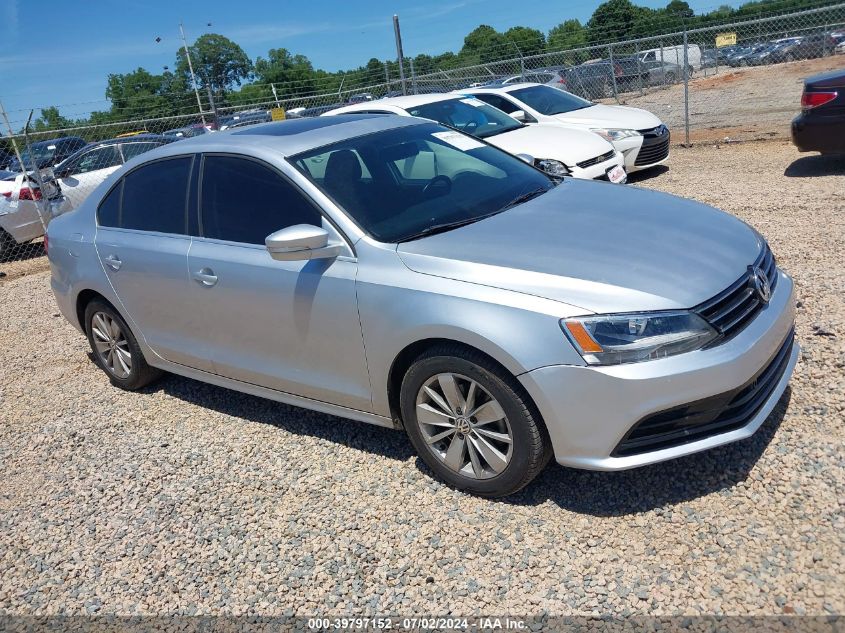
x=154, y=198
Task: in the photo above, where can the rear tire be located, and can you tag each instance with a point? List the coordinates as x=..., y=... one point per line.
x=471, y=422
x=115, y=348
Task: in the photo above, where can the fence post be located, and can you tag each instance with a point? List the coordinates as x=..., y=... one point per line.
x=686, y=87
x=413, y=75
x=639, y=68
x=613, y=74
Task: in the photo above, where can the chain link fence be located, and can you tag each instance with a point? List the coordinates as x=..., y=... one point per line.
x=734, y=81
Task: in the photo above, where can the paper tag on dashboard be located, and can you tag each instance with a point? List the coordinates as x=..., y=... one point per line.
x=456, y=139
x=475, y=103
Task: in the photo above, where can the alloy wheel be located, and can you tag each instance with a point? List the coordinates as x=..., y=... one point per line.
x=111, y=345
x=464, y=426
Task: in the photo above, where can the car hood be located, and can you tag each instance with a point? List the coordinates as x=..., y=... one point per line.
x=598, y=247
x=601, y=115
x=570, y=145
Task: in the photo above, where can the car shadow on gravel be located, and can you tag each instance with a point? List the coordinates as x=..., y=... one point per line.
x=357, y=435
x=610, y=494
x=648, y=174
x=818, y=165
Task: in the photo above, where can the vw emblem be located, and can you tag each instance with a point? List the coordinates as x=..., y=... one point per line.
x=759, y=283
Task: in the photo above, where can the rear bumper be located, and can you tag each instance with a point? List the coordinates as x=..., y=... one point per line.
x=590, y=410
x=813, y=133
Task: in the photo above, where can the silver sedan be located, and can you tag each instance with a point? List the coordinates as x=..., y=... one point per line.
x=393, y=271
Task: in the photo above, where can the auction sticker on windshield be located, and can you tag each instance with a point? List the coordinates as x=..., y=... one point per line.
x=456, y=139
x=617, y=174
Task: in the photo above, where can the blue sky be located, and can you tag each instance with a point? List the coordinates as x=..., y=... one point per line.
x=59, y=53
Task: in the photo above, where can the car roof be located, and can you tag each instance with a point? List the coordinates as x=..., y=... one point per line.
x=405, y=102
x=288, y=137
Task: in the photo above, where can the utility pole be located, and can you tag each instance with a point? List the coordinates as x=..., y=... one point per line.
x=399, y=52
x=191, y=69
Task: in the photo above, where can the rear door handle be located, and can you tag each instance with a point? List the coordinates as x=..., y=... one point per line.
x=113, y=262
x=206, y=277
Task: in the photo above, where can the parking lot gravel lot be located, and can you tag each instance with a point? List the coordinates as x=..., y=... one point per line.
x=188, y=498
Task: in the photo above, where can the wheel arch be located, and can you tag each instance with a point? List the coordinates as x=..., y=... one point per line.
x=85, y=297
x=406, y=357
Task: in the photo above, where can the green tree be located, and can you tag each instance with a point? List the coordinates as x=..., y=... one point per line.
x=612, y=21
x=529, y=41
x=218, y=62
x=484, y=44
x=293, y=75
x=50, y=119
x=140, y=94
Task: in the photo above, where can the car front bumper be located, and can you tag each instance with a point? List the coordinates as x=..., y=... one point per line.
x=599, y=171
x=589, y=410
x=643, y=153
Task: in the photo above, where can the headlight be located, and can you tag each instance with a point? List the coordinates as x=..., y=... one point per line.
x=610, y=134
x=630, y=338
x=553, y=167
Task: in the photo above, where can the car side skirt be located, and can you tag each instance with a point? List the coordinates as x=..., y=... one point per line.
x=272, y=394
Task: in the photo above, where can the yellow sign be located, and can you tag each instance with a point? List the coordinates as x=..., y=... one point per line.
x=725, y=39
x=277, y=114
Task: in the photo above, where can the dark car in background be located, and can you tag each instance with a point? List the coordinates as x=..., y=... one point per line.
x=47, y=153
x=821, y=125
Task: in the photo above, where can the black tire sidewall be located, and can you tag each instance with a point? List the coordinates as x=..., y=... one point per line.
x=514, y=476
x=134, y=379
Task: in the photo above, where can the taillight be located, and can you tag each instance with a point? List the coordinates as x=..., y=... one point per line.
x=7, y=194
x=811, y=100
x=29, y=194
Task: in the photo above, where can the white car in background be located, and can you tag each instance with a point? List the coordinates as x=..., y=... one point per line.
x=80, y=174
x=555, y=149
x=25, y=210
x=642, y=138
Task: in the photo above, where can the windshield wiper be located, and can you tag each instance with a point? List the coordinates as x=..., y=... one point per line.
x=525, y=197
x=446, y=226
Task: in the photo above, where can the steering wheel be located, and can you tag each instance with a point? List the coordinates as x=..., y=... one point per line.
x=438, y=182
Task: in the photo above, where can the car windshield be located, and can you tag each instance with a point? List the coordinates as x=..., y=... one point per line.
x=417, y=180
x=41, y=152
x=548, y=100
x=468, y=115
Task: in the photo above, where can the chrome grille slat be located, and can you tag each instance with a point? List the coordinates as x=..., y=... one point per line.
x=595, y=161
x=733, y=308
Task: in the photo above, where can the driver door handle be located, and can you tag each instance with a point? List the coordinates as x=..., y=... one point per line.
x=113, y=262
x=206, y=277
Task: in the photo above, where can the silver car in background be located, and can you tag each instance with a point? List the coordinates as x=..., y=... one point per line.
x=498, y=314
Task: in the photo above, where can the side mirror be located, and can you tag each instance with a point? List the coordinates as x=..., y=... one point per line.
x=301, y=242
x=519, y=115
x=528, y=158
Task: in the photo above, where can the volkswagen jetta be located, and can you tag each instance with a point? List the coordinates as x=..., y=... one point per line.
x=391, y=270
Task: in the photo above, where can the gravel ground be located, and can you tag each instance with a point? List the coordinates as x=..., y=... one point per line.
x=188, y=498
x=736, y=103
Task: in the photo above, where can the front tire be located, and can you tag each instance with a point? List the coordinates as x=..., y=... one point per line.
x=471, y=422
x=116, y=350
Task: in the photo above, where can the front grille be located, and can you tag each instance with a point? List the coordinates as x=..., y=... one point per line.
x=653, y=150
x=596, y=160
x=732, y=309
x=711, y=416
